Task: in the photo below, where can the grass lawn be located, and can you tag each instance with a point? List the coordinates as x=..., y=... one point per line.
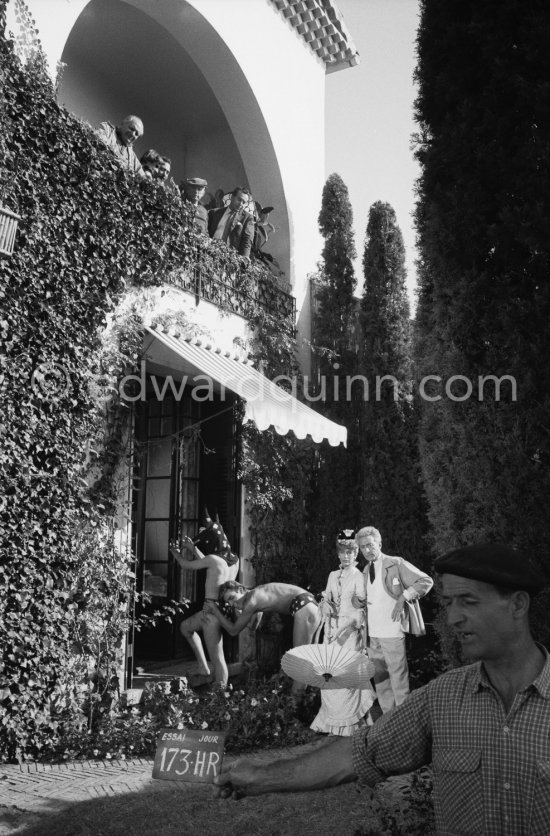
x=193, y=810
x=164, y=808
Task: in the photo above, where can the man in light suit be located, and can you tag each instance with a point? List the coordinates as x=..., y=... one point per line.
x=392, y=589
x=232, y=224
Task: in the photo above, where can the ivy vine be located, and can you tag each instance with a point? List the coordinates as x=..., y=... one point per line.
x=90, y=236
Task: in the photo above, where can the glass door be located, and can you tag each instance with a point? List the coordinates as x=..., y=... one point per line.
x=185, y=461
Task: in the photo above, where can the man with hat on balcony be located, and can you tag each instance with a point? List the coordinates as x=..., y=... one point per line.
x=193, y=191
x=483, y=727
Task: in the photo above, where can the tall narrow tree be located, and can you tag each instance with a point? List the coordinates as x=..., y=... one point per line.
x=392, y=497
x=484, y=218
x=337, y=282
x=334, y=500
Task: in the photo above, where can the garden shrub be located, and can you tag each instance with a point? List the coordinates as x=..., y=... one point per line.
x=259, y=715
x=405, y=812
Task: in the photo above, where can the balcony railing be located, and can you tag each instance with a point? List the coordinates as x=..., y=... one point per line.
x=231, y=283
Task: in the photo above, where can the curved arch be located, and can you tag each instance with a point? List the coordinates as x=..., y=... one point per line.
x=155, y=59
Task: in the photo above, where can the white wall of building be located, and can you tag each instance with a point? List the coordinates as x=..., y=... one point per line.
x=288, y=82
x=120, y=61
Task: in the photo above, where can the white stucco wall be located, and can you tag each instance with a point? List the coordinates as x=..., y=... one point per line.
x=288, y=82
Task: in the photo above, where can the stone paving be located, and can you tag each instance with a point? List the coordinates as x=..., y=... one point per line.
x=36, y=788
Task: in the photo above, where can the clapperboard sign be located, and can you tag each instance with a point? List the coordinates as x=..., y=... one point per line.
x=188, y=755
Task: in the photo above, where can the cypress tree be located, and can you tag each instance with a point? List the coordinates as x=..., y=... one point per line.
x=335, y=484
x=337, y=282
x=392, y=498
x=483, y=219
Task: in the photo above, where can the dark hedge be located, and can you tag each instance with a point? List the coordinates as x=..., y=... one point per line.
x=483, y=217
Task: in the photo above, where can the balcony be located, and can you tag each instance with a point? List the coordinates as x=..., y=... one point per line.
x=213, y=272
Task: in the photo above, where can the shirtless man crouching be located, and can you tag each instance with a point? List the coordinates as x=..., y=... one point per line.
x=210, y=551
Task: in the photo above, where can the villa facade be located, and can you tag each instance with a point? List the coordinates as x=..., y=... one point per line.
x=233, y=92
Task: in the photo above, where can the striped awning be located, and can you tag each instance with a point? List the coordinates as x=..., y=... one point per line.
x=266, y=403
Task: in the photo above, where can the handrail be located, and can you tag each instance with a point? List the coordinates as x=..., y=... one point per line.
x=233, y=287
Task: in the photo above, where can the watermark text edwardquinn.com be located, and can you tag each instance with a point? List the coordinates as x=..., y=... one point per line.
x=51, y=381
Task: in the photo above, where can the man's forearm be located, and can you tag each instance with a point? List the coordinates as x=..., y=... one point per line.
x=326, y=766
x=184, y=562
x=227, y=625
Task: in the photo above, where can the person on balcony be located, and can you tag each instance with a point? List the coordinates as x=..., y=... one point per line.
x=193, y=191
x=120, y=139
x=210, y=550
x=149, y=163
x=232, y=224
x=163, y=173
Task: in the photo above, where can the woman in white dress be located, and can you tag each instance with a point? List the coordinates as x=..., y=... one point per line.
x=343, y=709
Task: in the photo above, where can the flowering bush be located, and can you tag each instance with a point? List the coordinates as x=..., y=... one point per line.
x=263, y=716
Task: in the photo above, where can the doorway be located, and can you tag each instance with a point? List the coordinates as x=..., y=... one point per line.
x=185, y=462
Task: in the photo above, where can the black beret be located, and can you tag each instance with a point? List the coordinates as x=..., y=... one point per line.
x=495, y=563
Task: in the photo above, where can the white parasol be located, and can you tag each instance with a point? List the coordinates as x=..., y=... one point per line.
x=328, y=666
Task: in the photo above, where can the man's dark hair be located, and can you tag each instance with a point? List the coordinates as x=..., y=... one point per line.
x=238, y=189
x=150, y=156
x=231, y=586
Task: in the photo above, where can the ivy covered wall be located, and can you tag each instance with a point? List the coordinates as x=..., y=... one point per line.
x=88, y=232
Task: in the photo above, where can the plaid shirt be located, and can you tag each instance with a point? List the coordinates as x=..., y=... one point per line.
x=491, y=771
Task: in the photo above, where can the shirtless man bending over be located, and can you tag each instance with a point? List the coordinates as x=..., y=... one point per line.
x=283, y=598
x=210, y=551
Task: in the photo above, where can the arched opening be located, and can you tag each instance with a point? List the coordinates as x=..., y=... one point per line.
x=157, y=60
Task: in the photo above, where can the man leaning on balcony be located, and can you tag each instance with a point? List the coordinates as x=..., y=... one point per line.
x=232, y=224
x=193, y=191
x=120, y=139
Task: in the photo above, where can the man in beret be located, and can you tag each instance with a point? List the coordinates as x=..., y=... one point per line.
x=484, y=727
x=193, y=192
